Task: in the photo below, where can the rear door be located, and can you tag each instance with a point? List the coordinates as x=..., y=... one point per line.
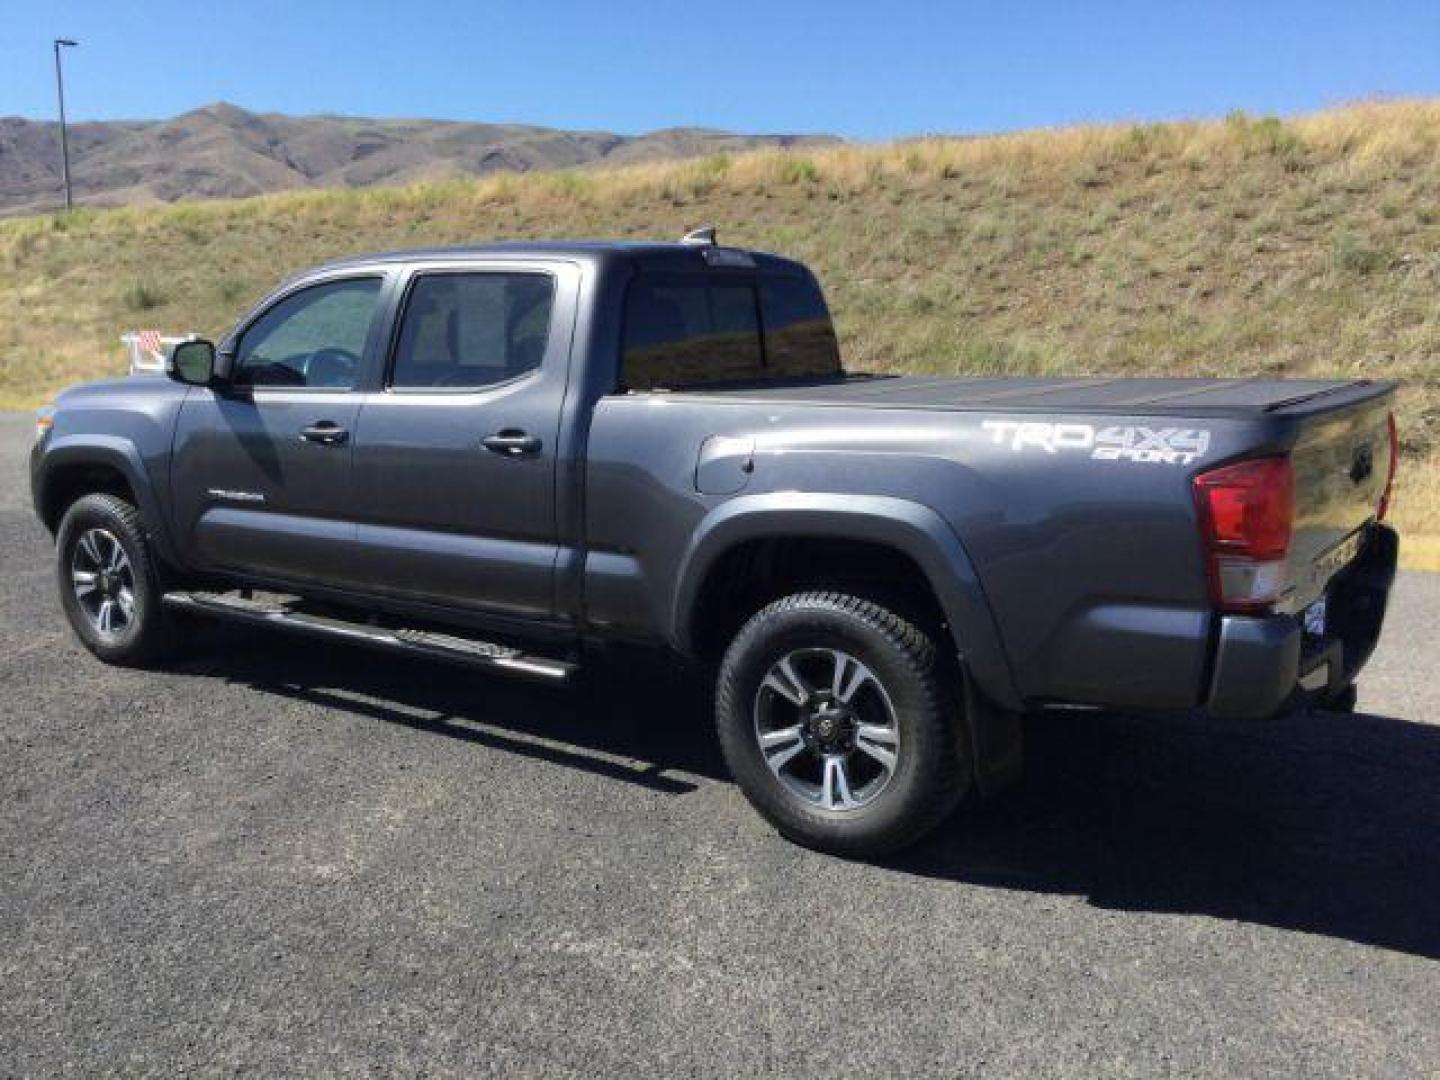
x=455, y=466
x=261, y=473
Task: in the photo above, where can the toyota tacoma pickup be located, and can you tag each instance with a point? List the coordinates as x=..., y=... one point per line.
x=503, y=455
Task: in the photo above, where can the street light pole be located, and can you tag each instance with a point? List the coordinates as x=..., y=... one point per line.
x=64, y=139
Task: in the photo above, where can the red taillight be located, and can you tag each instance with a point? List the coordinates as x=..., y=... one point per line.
x=1394, y=433
x=1247, y=511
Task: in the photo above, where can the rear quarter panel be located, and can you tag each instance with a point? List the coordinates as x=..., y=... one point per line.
x=1092, y=568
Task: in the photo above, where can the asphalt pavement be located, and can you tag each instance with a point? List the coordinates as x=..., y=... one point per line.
x=276, y=855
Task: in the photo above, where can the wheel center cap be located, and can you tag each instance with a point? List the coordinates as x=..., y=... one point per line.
x=830, y=725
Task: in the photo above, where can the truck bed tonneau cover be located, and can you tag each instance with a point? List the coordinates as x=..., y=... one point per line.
x=1092, y=394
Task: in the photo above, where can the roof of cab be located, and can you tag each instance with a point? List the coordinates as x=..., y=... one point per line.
x=653, y=255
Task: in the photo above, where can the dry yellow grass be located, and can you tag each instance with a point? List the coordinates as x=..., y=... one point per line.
x=1308, y=246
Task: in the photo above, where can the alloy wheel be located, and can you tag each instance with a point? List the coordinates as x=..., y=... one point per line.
x=104, y=582
x=827, y=729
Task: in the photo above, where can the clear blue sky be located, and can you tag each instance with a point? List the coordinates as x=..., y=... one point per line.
x=866, y=70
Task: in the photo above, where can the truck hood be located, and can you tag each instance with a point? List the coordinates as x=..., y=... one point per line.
x=135, y=391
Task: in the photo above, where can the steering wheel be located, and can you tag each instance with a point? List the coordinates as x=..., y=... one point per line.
x=332, y=366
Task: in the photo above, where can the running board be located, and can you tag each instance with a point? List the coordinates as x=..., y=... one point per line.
x=472, y=652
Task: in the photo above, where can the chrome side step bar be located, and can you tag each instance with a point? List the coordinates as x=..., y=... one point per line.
x=472, y=652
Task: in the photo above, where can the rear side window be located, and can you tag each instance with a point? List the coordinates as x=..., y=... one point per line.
x=696, y=331
x=468, y=331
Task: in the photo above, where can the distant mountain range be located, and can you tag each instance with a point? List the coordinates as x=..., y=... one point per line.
x=223, y=151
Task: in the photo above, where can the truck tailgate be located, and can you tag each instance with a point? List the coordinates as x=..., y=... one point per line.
x=1342, y=459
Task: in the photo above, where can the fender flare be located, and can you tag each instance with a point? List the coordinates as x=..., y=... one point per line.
x=910, y=527
x=112, y=452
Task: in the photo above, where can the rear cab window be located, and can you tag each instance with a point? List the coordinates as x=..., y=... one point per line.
x=685, y=331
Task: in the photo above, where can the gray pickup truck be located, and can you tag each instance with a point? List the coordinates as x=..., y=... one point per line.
x=501, y=455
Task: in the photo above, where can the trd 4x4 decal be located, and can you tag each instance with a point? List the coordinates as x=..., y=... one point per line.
x=1116, y=442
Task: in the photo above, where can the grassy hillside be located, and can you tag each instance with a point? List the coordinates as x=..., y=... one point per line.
x=1308, y=246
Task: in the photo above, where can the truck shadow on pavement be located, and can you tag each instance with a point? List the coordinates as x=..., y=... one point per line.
x=612, y=724
x=1322, y=823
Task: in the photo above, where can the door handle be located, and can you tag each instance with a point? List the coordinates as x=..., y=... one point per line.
x=326, y=433
x=512, y=443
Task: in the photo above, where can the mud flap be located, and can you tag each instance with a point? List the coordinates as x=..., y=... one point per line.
x=997, y=737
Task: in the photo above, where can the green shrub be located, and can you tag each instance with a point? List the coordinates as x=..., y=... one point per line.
x=142, y=296
x=799, y=171
x=570, y=185
x=1143, y=140
x=1351, y=255
x=1267, y=135
x=232, y=289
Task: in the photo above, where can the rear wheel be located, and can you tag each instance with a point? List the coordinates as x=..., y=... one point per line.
x=839, y=721
x=109, y=587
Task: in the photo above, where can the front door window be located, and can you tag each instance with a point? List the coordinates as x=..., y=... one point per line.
x=312, y=338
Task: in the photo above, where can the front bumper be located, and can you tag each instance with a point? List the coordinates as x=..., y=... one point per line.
x=1261, y=662
x=37, y=458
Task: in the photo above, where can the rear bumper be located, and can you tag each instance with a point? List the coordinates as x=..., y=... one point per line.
x=1262, y=662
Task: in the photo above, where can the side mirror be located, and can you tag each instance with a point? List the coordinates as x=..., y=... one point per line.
x=192, y=362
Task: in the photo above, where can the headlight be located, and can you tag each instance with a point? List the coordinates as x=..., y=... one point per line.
x=44, y=421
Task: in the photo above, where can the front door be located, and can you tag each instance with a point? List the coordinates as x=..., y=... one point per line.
x=455, y=453
x=261, y=475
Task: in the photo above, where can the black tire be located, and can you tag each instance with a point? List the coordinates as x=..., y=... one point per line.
x=932, y=767
x=146, y=634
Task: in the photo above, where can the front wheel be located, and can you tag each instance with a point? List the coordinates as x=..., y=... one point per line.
x=839, y=721
x=108, y=582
